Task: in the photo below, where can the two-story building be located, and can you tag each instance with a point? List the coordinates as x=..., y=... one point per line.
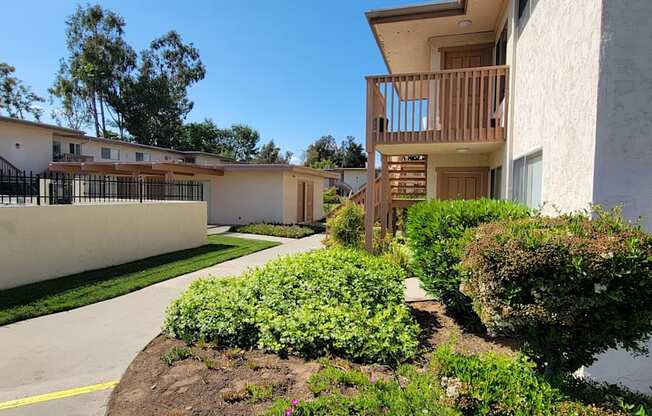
x=235, y=193
x=546, y=102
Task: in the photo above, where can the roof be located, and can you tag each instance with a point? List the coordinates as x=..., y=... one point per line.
x=41, y=125
x=253, y=167
x=79, y=134
x=341, y=169
x=405, y=35
x=138, y=168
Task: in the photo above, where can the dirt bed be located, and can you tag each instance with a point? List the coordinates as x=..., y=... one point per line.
x=231, y=382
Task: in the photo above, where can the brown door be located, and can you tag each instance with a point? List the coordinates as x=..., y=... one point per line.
x=301, y=201
x=459, y=58
x=462, y=183
x=310, y=197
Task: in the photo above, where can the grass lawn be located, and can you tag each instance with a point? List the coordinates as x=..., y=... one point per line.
x=81, y=289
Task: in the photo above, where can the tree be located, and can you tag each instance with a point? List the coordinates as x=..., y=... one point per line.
x=73, y=111
x=270, y=153
x=245, y=141
x=156, y=100
x=323, y=153
x=16, y=98
x=352, y=154
x=98, y=65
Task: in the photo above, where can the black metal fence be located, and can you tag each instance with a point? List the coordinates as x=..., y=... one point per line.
x=54, y=188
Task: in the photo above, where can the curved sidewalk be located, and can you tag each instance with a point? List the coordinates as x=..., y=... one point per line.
x=95, y=344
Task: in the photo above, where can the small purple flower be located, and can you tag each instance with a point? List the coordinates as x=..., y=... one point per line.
x=289, y=411
x=295, y=402
x=373, y=379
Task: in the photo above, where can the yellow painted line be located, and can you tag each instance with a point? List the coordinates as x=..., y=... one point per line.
x=57, y=395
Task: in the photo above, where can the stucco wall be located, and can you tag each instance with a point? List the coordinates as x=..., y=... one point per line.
x=554, y=108
x=43, y=242
x=623, y=157
x=245, y=197
x=35, y=146
x=356, y=179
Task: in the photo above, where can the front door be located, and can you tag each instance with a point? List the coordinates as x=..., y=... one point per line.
x=462, y=183
x=467, y=57
x=301, y=202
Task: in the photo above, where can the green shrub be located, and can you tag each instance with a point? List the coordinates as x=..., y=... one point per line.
x=454, y=384
x=331, y=196
x=175, y=354
x=277, y=230
x=337, y=301
x=434, y=229
x=399, y=253
x=346, y=228
x=568, y=287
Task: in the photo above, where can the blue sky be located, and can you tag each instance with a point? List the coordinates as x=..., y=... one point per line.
x=294, y=70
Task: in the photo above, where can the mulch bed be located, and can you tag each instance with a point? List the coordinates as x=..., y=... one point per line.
x=219, y=381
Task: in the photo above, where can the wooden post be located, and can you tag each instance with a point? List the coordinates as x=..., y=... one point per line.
x=371, y=170
x=385, y=196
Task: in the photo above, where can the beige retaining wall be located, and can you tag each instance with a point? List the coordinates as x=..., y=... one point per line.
x=43, y=242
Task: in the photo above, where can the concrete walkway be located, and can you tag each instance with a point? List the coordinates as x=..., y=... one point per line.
x=96, y=343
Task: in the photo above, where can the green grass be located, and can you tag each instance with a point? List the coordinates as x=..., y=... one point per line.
x=82, y=289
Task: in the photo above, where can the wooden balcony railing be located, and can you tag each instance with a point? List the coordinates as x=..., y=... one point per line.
x=462, y=105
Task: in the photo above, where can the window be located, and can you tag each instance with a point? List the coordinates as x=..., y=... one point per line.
x=522, y=7
x=496, y=182
x=528, y=171
x=75, y=149
x=143, y=157
x=56, y=150
x=111, y=154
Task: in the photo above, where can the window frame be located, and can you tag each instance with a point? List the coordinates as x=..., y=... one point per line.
x=111, y=152
x=74, y=149
x=520, y=176
x=143, y=157
x=496, y=182
x=56, y=144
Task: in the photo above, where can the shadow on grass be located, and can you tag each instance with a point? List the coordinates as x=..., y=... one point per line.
x=27, y=293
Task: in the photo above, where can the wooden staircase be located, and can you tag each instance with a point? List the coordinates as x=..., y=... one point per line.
x=407, y=182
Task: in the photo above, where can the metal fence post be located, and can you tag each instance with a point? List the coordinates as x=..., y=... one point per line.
x=38, y=189
x=140, y=186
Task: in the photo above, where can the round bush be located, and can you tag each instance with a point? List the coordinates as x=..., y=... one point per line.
x=337, y=301
x=568, y=287
x=434, y=229
x=346, y=228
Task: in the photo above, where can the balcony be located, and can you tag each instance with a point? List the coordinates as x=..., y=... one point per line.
x=69, y=157
x=461, y=105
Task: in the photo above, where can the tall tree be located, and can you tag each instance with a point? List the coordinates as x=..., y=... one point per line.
x=352, y=155
x=323, y=153
x=72, y=110
x=270, y=153
x=17, y=99
x=245, y=141
x=98, y=64
x=156, y=100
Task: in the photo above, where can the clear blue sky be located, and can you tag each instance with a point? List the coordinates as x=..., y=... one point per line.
x=294, y=70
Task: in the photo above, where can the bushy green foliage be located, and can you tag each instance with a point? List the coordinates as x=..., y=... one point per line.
x=337, y=301
x=398, y=253
x=569, y=287
x=331, y=196
x=277, y=230
x=176, y=354
x=346, y=228
x=434, y=229
x=453, y=384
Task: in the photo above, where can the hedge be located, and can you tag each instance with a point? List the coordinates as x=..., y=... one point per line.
x=568, y=287
x=337, y=301
x=434, y=229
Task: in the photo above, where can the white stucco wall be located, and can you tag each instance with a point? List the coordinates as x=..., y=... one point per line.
x=555, y=81
x=43, y=242
x=356, y=179
x=34, y=150
x=623, y=156
x=245, y=197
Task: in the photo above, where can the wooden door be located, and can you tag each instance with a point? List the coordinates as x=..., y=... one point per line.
x=462, y=183
x=473, y=56
x=301, y=201
x=310, y=197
